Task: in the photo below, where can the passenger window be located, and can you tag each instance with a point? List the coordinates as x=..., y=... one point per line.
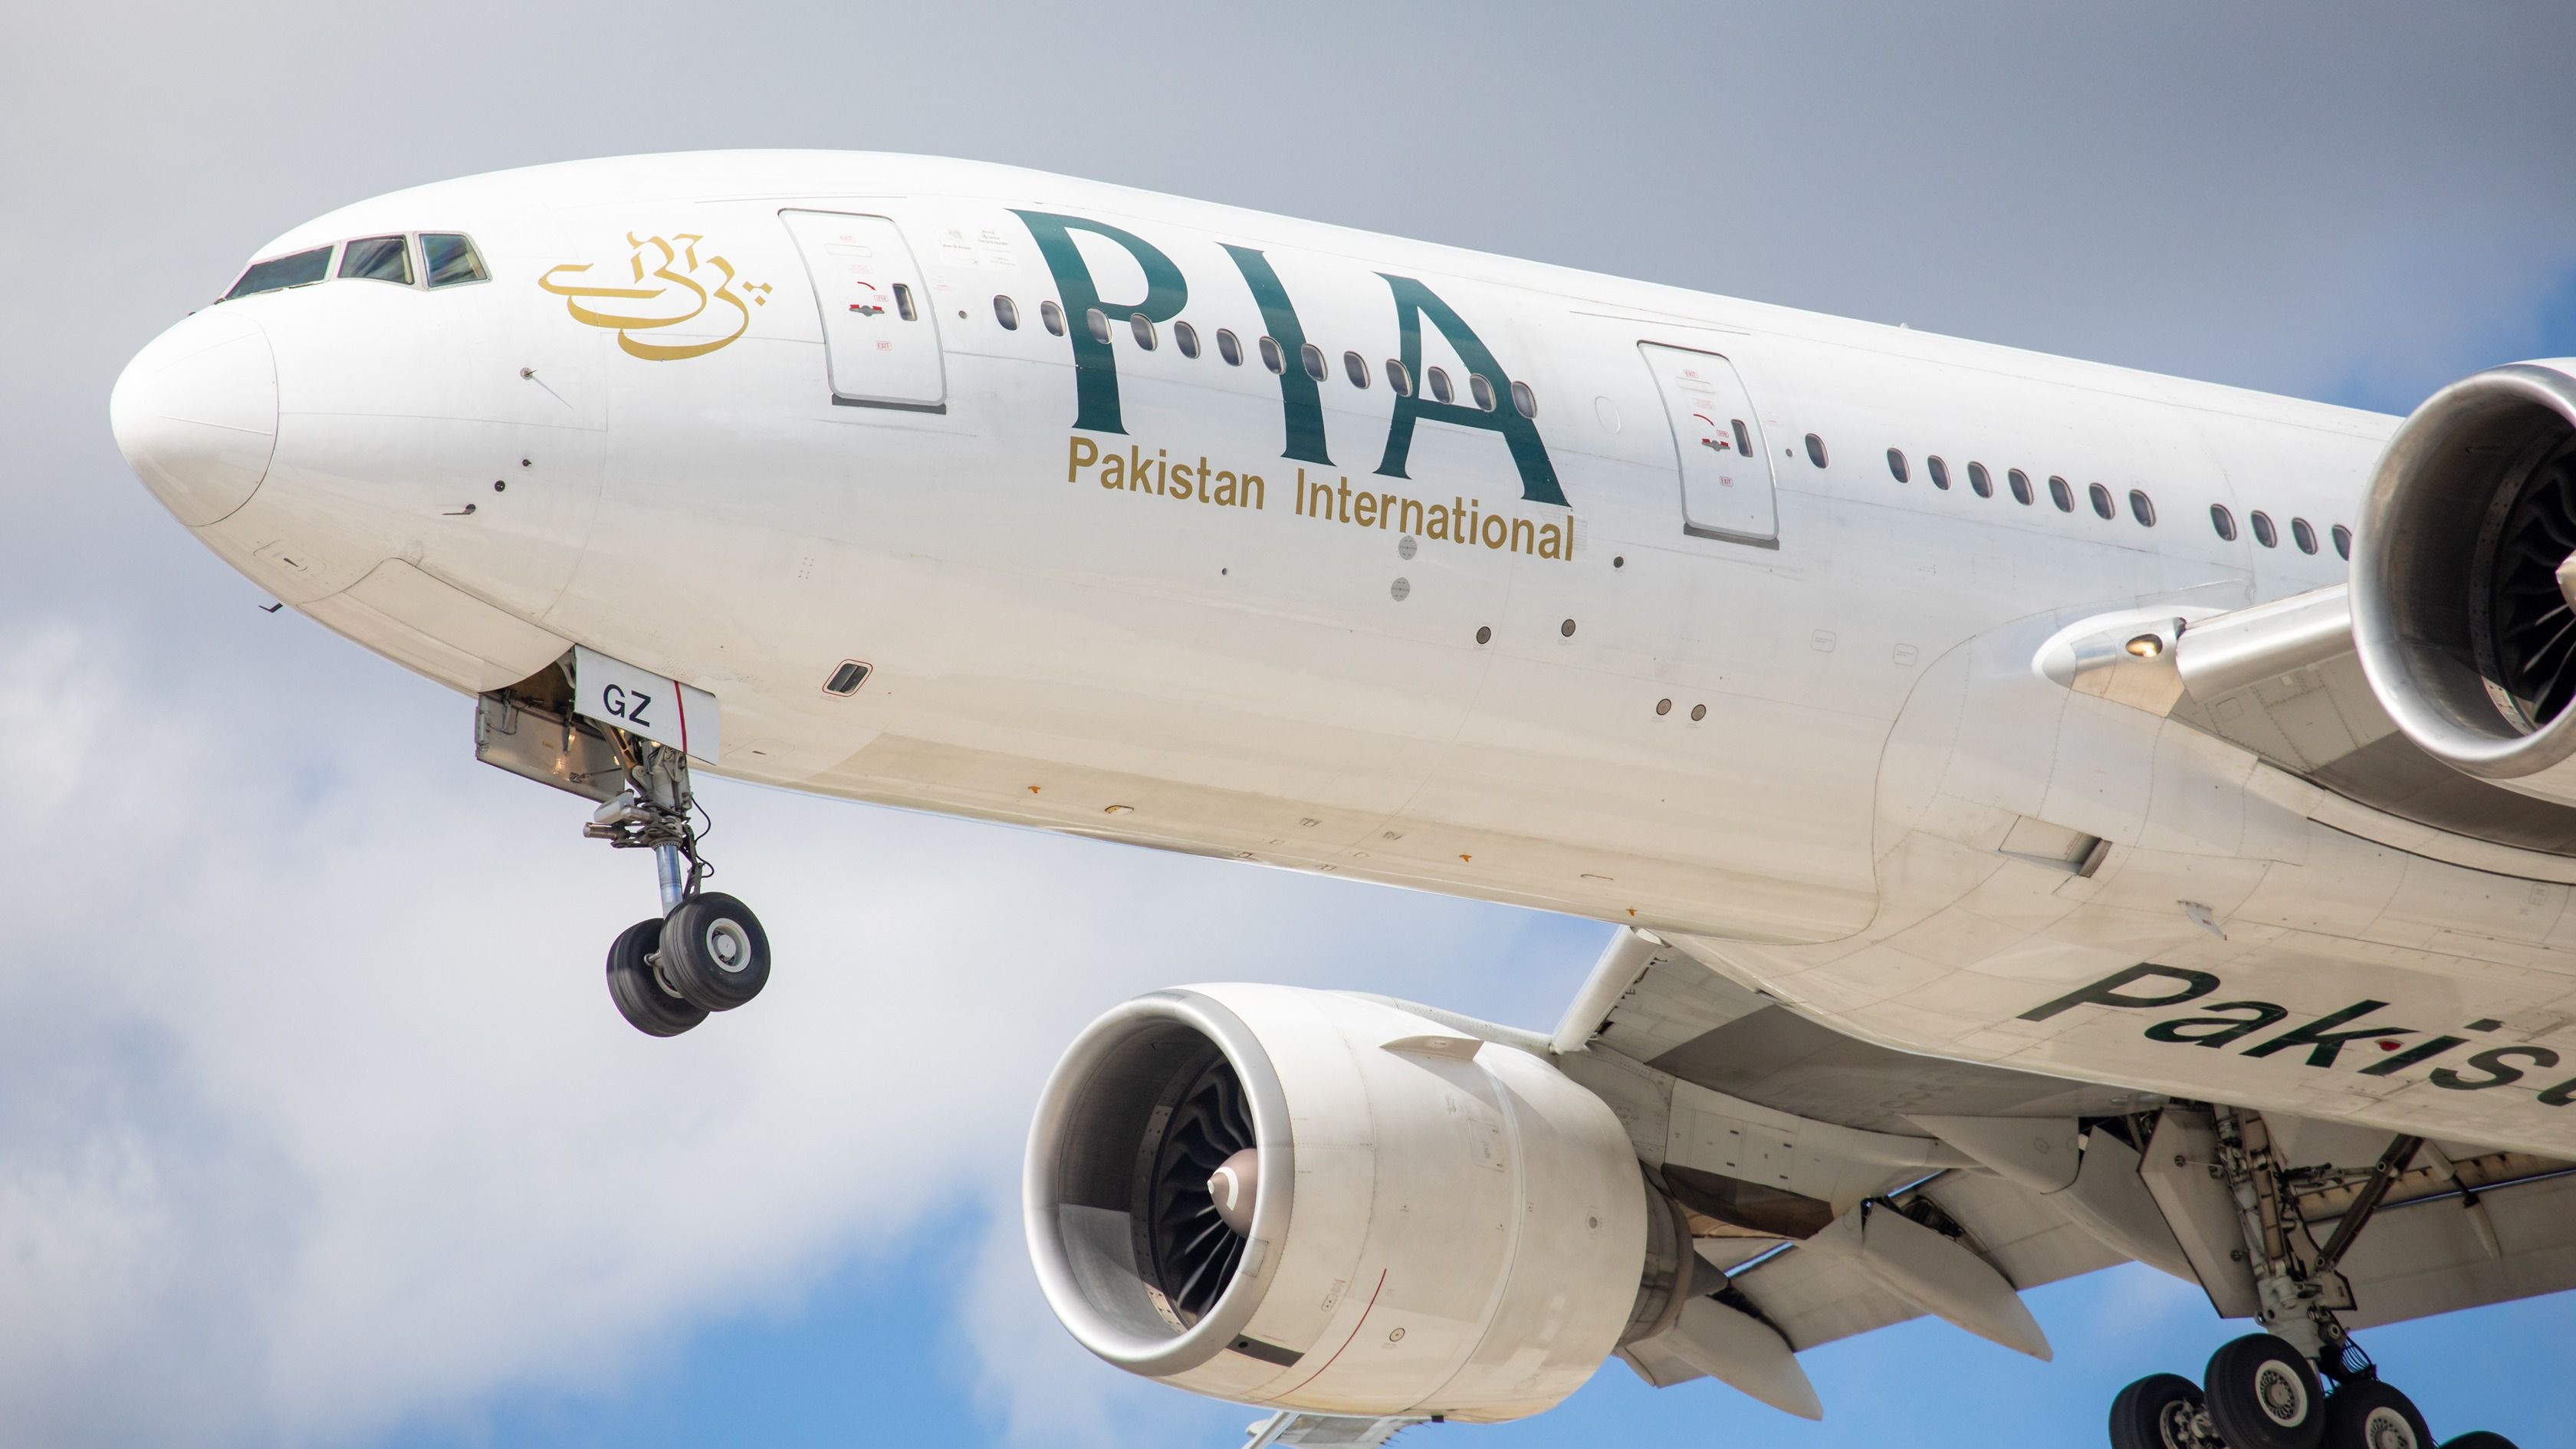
x=1096, y=322
x=2303, y=535
x=1313, y=357
x=2142, y=508
x=1186, y=338
x=1815, y=450
x=2102, y=503
x=451, y=259
x=1272, y=357
x=378, y=259
x=1356, y=369
x=1143, y=327
x=903, y=304
x=1896, y=465
x=2223, y=521
x=279, y=273
x=1743, y=439
x=1053, y=316
x=1980, y=480
x=2020, y=486
x=1940, y=472
x=1229, y=347
x=1524, y=401
x=1439, y=380
x=1481, y=390
x=2264, y=533
x=2343, y=543
x=2061, y=495
x=1006, y=312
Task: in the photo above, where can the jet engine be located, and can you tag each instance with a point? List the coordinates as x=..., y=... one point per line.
x=1324, y=1202
x=2464, y=581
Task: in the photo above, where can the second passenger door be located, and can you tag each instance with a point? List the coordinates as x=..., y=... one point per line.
x=1725, y=465
x=880, y=334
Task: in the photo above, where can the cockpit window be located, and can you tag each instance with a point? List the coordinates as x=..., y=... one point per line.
x=378, y=259
x=279, y=273
x=451, y=259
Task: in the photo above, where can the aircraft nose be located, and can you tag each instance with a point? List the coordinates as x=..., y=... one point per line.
x=195, y=414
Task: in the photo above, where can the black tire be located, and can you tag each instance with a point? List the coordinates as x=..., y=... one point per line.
x=2263, y=1394
x=714, y=951
x=2369, y=1414
x=2155, y=1413
x=640, y=996
x=2479, y=1439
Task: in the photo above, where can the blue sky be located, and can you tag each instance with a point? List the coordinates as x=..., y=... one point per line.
x=314, y=1127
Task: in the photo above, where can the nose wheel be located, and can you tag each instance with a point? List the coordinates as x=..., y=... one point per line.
x=636, y=984
x=714, y=952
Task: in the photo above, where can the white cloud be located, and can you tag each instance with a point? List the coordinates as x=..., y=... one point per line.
x=322, y=1116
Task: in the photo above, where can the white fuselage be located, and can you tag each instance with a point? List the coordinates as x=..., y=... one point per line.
x=1661, y=718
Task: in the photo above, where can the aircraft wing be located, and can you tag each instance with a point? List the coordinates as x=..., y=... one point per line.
x=1832, y=1186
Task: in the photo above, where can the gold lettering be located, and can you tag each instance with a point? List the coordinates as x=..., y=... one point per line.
x=1083, y=454
x=1364, y=512
x=1410, y=518
x=1523, y=529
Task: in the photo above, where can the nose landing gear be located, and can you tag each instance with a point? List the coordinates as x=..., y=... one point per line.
x=706, y=952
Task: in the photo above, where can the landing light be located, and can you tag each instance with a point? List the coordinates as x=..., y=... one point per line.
x=2147, y=646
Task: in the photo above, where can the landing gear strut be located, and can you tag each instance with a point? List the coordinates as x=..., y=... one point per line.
x=2305, y=1384
x=706, y=951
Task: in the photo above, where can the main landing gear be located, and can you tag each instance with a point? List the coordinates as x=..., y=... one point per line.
x=2265, y=1391
x=2261, y=1393
x=706, y=952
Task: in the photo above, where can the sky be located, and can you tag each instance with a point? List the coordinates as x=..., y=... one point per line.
x=316, y=1128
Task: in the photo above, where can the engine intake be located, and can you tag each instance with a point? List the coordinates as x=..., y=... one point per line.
x=1322, y=1202
x=2463, y=592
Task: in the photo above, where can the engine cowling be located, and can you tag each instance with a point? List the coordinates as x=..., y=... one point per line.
x=2464, y=577
x=1428, y=1225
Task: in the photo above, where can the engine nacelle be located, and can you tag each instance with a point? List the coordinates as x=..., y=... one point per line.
x=2463, y=590
x=1317, y=1201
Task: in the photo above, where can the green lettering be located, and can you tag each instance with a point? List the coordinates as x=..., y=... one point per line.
x=2492, y=1063
x=2218, y=1031
x=1095, y=367
x=2324, y=1046
x=1414, y=301
x=1300, y=404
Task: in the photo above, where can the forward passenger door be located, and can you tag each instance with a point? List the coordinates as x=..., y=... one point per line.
x=880, y=333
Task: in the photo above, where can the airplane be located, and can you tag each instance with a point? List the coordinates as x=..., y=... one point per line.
x=2051, y=815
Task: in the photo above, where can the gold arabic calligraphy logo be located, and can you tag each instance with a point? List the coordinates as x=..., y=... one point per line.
x=684, y=296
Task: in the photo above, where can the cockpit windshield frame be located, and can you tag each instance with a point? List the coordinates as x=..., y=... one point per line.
x=432, y=260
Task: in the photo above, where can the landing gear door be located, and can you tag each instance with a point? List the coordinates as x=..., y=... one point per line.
x=1725, y=464
x=880, y=334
